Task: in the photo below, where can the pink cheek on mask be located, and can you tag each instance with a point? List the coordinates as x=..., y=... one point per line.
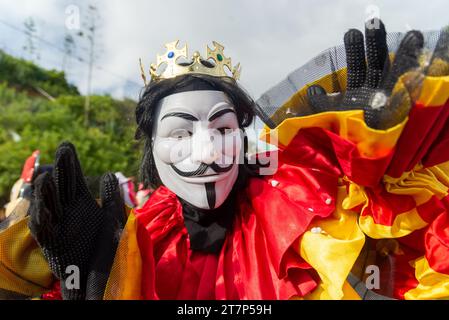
x=231, y=145
x=171, y=150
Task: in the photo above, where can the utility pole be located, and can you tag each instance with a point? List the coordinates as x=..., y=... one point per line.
x=30, y=46
x=91, y=37
x=69, y=49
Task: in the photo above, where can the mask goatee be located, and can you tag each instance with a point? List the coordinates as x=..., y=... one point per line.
x=210, y=192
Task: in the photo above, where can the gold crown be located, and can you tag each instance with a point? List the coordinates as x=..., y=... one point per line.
x=173, y=69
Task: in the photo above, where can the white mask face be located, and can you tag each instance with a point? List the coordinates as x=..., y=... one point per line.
x=197, y=145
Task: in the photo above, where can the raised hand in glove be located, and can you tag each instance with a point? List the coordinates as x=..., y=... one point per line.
x=370, y=77
x=71, y=227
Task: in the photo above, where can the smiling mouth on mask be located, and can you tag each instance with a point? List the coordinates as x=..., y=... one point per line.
x=202, y=169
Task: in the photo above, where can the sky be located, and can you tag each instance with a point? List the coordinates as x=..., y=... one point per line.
x=269, y=38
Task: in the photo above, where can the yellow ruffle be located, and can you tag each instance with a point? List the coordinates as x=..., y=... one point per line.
x=349, y=125
x=333, y=251
x=404, y=224
x=320, y=293
x=420, y=183
x=432, y=284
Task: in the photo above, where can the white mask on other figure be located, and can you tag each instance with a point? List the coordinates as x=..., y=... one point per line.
x=197, y=145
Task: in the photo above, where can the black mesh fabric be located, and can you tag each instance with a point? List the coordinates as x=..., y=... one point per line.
x=289, y=98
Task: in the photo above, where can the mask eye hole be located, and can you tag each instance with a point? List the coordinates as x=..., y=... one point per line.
x=224, y=130
x=180, y=134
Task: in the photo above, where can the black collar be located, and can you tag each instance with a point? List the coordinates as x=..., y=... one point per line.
x=207, y=228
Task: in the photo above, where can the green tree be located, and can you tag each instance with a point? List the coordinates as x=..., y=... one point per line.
x=25, y=75
x=29, y=122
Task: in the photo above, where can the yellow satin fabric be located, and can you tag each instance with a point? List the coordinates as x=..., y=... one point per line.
x=420, y=183
x=403, y=225
x=124, y=281
x=321, y=293
x=23, y=268
x=333, y=252
x=349, y=125
x=435, y=91
x=432, y=284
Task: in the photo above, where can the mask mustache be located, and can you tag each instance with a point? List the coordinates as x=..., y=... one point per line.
x=202, y=169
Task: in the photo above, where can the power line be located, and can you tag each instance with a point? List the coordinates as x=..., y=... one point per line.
x=56, y=47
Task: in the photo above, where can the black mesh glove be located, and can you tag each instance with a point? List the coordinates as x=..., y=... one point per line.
x=370, y=78
x=108, y=238
x=439, y=64
x=66, y=220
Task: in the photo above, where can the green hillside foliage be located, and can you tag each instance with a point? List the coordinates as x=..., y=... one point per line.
x=28, y=76
x=29, y=122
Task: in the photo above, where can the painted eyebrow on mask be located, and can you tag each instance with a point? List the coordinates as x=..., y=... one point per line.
x=220, y=113
x=182, y=115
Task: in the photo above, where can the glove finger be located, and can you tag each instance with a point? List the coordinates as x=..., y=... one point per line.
x=108, y=238
x=406, y=58
x=376, y=52
x=439, y=65
x=80, y=180
x=442, y=47
x=65, y=174
x=318, y=99
x=44, y=209
x=371, y=117
x=69, y=175
x=111, y=199
x=316, y=90
x=355, y=58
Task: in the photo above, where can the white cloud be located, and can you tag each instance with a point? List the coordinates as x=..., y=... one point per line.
x=269, y=38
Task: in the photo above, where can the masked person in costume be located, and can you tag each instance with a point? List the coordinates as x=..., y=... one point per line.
x=210, y=230
x=215, y=228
